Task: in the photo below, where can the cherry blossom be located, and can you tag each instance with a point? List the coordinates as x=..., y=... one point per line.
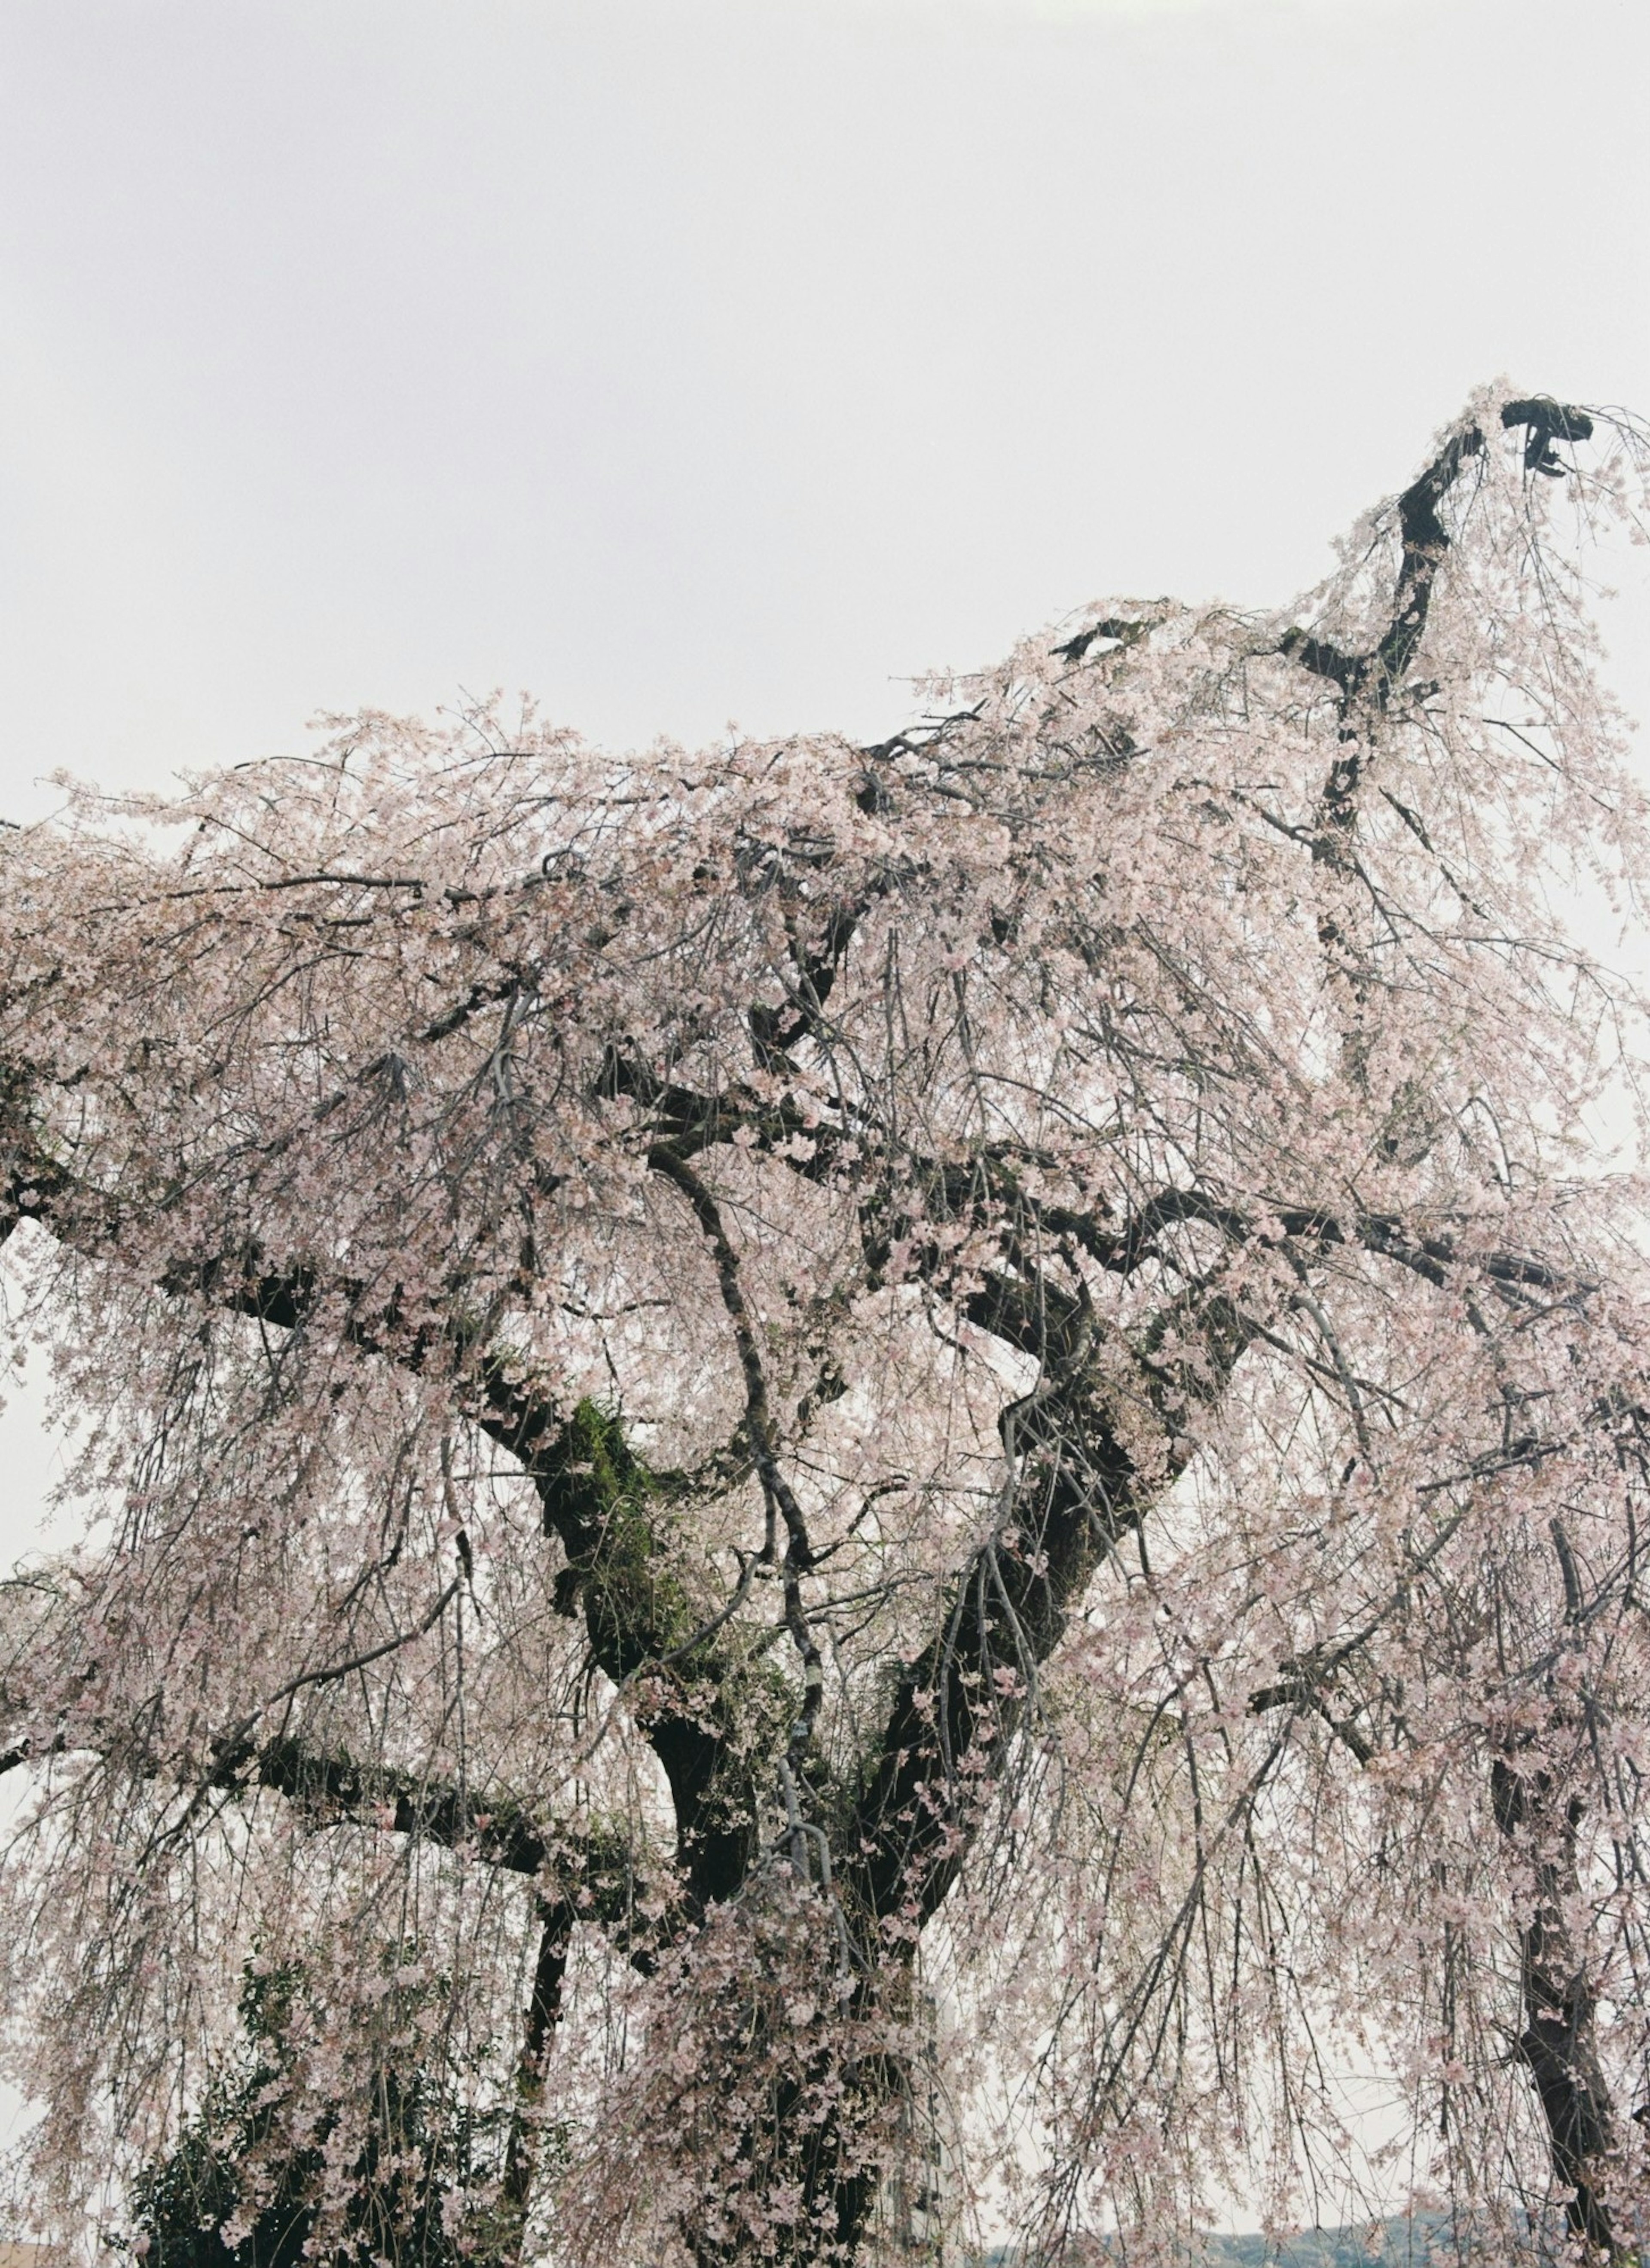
x=901, y=1474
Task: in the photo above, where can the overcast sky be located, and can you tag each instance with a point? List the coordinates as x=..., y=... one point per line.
x=696, y=360
x=690, y=361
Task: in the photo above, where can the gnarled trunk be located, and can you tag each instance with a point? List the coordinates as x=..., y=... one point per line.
x=1558, y=2044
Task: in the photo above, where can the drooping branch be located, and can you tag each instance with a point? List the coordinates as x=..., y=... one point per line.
x=600, y=1501
x=1558, y=2044
x=556, y=1921
x=1366, y=681
x=596, y=1867
x=1538, y=1816
x=1373, y=673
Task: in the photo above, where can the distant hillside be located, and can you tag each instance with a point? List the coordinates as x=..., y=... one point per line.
x=1418, y=2243
x=1402, y=2244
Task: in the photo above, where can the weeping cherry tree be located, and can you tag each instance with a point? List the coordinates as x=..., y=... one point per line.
x=867, y=1485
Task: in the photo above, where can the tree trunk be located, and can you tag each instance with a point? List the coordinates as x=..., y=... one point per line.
x=1558, y=2045
x=544, y=2009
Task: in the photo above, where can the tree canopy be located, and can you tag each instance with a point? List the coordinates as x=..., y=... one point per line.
x=906, y=1469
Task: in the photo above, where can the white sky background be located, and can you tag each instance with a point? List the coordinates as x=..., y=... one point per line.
x=685, y=361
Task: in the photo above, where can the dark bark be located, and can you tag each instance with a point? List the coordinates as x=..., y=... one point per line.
x=912, y=1814
x=1557, y=2045
x=544, y=2012
x=1366, y=681
x=1374, y=674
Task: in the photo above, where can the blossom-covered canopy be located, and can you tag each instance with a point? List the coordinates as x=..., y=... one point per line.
x=862, y=1477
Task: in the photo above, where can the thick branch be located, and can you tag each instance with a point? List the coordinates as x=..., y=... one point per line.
x=1558, y=2044
x=1368, y=681
x=600, y=1501
x=1075, y=1491
x=544, y=2012
x=593, y=1866
x=605, y=1504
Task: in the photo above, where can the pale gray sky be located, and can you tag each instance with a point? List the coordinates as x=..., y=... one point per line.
x=689, y=360
x=696, y=360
